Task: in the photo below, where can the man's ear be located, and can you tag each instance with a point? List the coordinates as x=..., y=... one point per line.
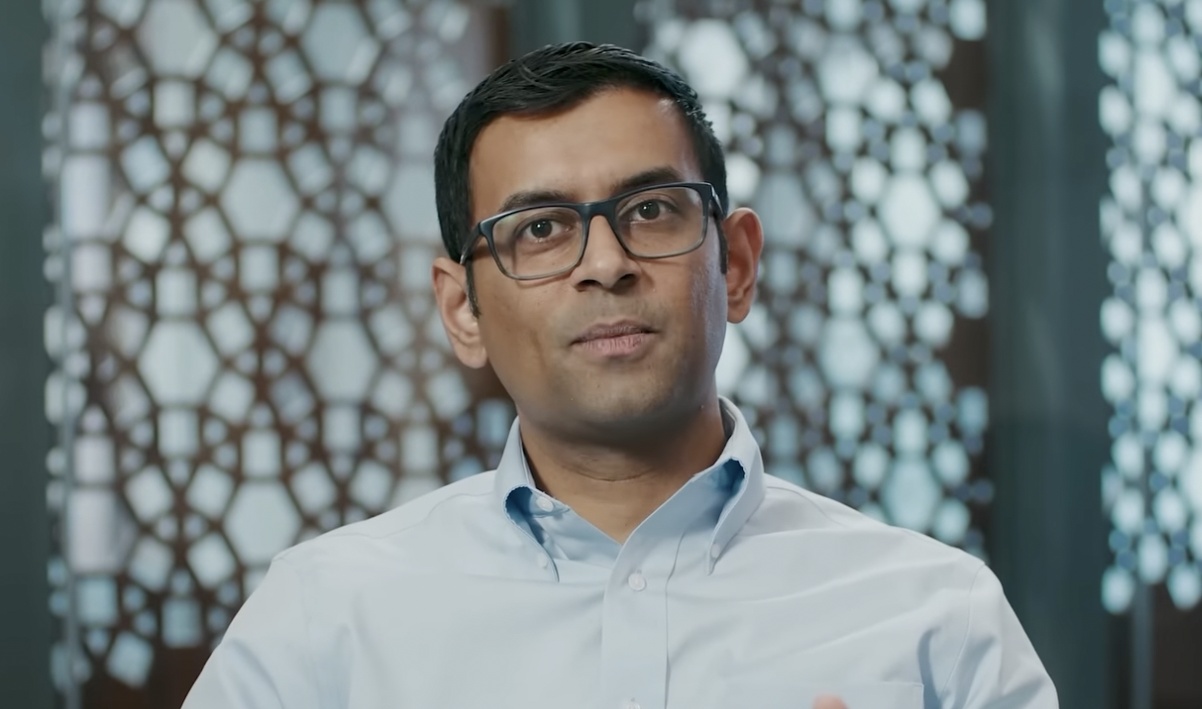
x=455, y=309
x=744, y=242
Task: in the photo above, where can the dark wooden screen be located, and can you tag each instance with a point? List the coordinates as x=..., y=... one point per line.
x=247, y=350
x=856, y=129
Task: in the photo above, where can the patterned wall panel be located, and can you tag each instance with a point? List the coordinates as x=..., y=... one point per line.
x=247, y=348
x=855, y=128
x=1152, y=226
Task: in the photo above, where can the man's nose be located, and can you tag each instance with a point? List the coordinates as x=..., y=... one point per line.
x=605, y=261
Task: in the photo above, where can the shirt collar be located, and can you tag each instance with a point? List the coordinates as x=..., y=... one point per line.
x=737, y=476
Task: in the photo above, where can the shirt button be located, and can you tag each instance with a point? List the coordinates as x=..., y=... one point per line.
x=638, y=583
x=542, y=562
x=544, y=503
x=631, y=705
x=715, y=551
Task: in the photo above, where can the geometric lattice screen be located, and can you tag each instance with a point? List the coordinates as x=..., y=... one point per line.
x=1152, y=227
x=855, y=128
x=246, y=344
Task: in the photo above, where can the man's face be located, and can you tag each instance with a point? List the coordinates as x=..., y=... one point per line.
x=618, y=345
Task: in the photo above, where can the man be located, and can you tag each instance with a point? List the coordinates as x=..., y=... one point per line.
x=628, y=552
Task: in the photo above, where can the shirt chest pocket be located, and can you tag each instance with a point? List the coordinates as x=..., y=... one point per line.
x=783, y=694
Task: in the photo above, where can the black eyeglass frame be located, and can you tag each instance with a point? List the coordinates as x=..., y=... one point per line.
x=607, y=208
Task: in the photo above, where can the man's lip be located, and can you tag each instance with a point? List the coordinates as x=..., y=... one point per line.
x=619, y=329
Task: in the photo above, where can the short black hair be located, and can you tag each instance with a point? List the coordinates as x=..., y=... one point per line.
x=548, y=80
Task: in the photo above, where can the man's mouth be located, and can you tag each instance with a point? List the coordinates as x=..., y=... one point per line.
x=615, y=339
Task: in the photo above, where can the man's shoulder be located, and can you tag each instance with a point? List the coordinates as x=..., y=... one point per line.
x=855, y=536
x=419, y=528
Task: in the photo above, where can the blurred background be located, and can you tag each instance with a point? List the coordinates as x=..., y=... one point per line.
x=978, y=313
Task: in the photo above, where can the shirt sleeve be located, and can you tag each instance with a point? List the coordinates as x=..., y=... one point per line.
x=264, y=661
x=997, y=667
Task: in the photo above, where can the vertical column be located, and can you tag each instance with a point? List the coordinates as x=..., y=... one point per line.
x=1047, y=270
x=24, y=433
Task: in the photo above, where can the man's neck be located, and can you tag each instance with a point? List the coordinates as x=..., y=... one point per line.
x=615, y=487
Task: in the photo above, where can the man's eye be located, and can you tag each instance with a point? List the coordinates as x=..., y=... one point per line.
x=649, y=210
x=541, y=229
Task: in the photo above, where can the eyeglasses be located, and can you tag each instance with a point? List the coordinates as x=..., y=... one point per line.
x=547, y=240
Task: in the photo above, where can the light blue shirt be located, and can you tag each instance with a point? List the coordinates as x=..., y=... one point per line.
x=742, y=591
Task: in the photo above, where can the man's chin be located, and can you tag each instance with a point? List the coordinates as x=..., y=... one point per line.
x=631, y=410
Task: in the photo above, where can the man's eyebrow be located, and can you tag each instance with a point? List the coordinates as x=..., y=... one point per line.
x=533, y=198
x=646, y=178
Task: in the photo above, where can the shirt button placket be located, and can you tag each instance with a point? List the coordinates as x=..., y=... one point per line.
x=635, y=629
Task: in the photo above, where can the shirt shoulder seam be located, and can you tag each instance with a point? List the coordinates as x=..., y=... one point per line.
x=412, y=525
x=810, y=502
x=916, y=536
x=967, y=634
x=314, y=666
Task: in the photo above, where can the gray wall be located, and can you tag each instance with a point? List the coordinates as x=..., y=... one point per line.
x=25, y=625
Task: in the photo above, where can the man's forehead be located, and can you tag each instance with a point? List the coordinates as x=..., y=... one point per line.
x=582, y=151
